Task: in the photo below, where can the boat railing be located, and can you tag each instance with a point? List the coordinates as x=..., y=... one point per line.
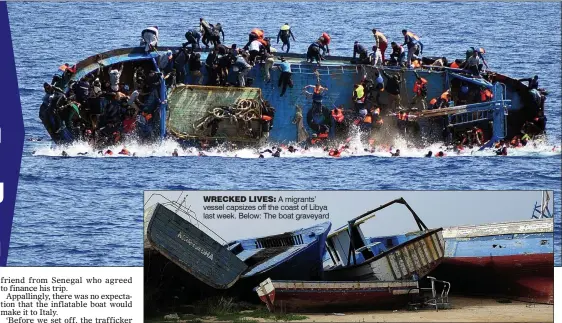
x=324, y=70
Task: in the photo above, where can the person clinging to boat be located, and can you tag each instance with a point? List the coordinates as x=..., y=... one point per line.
x=149, y=38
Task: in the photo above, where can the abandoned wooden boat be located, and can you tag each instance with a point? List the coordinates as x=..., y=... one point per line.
x=291, y=255
x=310, y=296
x=410, y=256
x=508, y=259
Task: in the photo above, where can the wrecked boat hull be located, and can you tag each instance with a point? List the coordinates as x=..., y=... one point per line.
x=513, y=260
x=413, y=259
x=311, y=296
x=502, y=119
x=292, y=255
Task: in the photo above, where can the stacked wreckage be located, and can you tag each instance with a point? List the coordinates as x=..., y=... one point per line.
x=313, y=269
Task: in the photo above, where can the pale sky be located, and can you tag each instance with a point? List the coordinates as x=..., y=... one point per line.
x=435, y=208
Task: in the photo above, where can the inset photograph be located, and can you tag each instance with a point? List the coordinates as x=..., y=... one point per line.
x=349, y=256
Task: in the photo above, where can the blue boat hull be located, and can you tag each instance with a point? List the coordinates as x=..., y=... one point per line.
x=339, y=76
x=514, y=265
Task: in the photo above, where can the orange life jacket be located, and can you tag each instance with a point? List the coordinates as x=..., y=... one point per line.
x=327, y=38
x=454, y=65
x=337, y=114
x=258, y=32
x=334, y=153
x=266, y=118
x=108, y=152
x=124, y=151
x=445, y=96
x=368, y=119
x=323, y=135
x=433, y=101
x=486, y=95
x=419, y=86
x=402, y=116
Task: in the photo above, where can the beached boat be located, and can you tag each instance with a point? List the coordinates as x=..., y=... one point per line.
x=309, y=296
x=508, y=259
x=513, y=103
x=410, y=256
x=291, y=255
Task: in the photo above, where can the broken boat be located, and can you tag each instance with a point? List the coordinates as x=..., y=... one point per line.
x=188, y=244
x=178, y=115
x=410, y=256
x=508, y=259
x=307, y=296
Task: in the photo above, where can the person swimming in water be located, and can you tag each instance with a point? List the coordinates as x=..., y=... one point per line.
x=175, y=153
x=429, y=154
x=396, y=154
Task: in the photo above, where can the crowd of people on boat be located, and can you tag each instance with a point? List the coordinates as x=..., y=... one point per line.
x=104, y=112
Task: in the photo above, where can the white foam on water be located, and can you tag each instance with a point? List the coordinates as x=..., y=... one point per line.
x=356, y=148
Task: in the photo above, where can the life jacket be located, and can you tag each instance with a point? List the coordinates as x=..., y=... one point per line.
x=258, y=32
x=124, y=151
x=337, y=114
x=402, y=116
x=360, y=94
x=108, y=152
x=323, y=135
x=266, y=118
x=455, y=65
x=285, y=27
x=445, y=96
x=334, y=153
x=416, y=63
x=368, y=119
x=327, y=38
x=433, y=101
x=317, y=95
x=420, y=86
x=486, y=95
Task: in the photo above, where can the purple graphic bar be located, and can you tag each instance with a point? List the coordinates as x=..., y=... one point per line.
x=11, y=134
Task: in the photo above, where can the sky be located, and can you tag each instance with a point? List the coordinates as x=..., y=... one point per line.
x=435, y=208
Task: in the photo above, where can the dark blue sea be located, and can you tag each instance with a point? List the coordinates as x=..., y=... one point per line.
x=87, y=211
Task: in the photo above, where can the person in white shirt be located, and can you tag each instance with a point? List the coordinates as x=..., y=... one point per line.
x=149, y=38
x=114, y=75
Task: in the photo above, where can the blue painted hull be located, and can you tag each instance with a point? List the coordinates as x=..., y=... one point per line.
x=513, y=265
x=339, y=76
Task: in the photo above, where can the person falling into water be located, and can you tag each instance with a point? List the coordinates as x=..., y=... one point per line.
x=285, y=35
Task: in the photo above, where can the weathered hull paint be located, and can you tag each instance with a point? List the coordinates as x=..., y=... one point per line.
x=201, y=256
x=412, y=259
x=510, y=259
x=295, y=296
x=528, y=278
